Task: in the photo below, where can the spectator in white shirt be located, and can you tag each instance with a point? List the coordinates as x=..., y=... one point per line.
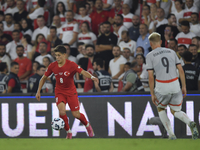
x=127, y=54
x=195, y=26
x=160, y=21
x=81, y=50
x=68, y=56
x=179, y=11
x=26, y=42
x=38, y=10
x=12, y=9
x=61, y=12
x=127, y=16
x=69, y=33
x=57, y=23
x=43, y=53
x=116, y=65
x=127, y=43
x=42, y=29
x=11, y=46
x=86, y=36
x=8, y=24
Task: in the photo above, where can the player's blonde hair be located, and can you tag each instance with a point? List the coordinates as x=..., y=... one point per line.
x=154, y=37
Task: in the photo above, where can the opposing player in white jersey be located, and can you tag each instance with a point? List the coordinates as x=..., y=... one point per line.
x=164, y=62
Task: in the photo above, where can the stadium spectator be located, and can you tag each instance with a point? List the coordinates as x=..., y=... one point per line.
x=195, y=59
x=139, y=50
x=116, y=65
x=91, y=8
x=68, y=55
x=127, y=22
x=153, y=12
x=195, y=26
x=114, y=11
x=143, y=39
x=26, y=42
x=160, y=20
x=25, y=64
x=134, y=30
x=189, y=9
x=12, y=9
x=86, y=62
x=26, y=27
x=191, y=72
x=34, y=67
x=101, y=30
x=119, y=22
x=86, y=36
x=127, y=43
x=105, y=80
x=69, y=33
x=4, y=5
x=52, y=37
x=37, y=11
x=13, y=82
x=68, y=5
x=4, y=38
x=34, y=80
x=168, y=35
x=8, y=24
x=3, y=72
x=57, y=23
x=98, y=16
x=22, y=13
x=146, y=19
x=105, y=43
x=149, y=2
x=179, y=11
x=4, y=57
x=127, y=54
x=11, y=46
x=42, y=29
x=141, y=61
x=196, y=41
x=107, y=5
x=61, y=12
x=46, y=62
x=185, y=37
x=172, y=44
x=43, y=53
x=80, y=50
x=82, y=16
x=131, y=79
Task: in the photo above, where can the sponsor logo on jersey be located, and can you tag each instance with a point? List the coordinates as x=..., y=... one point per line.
x=60, y=73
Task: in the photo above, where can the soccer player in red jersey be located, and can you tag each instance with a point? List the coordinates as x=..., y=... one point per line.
x=65, y=90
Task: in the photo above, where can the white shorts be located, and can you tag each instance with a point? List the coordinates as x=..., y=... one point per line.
x=174, y=100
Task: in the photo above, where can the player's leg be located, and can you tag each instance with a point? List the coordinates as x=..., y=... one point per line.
x=163, y=101
x=175, y=105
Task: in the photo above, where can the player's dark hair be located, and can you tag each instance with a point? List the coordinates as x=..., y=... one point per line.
x=194, y=13
x=41, y=3
x=61, y=49
x=89, y=45
x=187, y=56
x=99, y=62
x=9, y=14
x=3, y=66
x=192, y=45
x=144, y=60
x=16, y=31
x=134, y=63
x=169, y=16
x=40, y=66
x=128, y=64
x=20, y=46
x=172, y=39
x=13, y=63
x=122, y=18
x=107, y=23
x=182, y=45
x=185, y=23
x=53, y=27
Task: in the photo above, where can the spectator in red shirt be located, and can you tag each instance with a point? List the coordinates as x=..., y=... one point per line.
x=25, y=64
x=98, y=16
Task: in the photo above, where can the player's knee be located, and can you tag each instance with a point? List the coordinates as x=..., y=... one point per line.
x=76, y=114
x=62, y=112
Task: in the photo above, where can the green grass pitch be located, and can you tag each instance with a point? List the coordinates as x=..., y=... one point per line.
x=99, y=144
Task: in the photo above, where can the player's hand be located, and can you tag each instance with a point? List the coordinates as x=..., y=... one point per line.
x=95, y=80
x=184, y=92
x=37, y=96
x=154, y=99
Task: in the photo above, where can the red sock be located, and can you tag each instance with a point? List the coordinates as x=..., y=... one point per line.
x=66, y=121
x=83, y=119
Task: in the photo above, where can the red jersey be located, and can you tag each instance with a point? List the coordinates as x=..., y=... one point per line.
x=97, y=19
x=64, y=76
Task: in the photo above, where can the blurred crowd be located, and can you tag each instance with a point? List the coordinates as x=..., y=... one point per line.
x=108, y=38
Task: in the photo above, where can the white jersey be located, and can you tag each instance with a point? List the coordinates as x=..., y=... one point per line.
x=189, y=11
x=128, y=20
x=63, y=18
x=131, y=45
x=8, y=29
x=68, y=30
x=149, y=2
x=81, y=19
x=37, y=31
x=108, y=2
x=195, y=29
x=159, y=23
x=11, y=49
x=185, y=39
x=11, y=10
x=178, y=15
x=87, y=38
x=163, y=61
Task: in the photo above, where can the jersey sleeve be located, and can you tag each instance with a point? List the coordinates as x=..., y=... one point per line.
x=94, y=38
x=149, y=65
x=77, y=68
x=75, y=28
x=49, y=71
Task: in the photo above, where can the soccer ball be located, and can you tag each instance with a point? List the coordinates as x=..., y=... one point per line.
x=58, y=124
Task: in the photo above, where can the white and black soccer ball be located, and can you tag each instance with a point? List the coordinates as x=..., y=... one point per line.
x=58, y=124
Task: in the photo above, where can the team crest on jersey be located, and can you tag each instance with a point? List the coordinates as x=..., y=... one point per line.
x=60, y=73
x=66, y=73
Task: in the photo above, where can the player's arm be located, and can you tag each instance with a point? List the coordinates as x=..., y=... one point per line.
x=42, y=81
x=151, y=86
x=182, y=77
x=88, y=75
